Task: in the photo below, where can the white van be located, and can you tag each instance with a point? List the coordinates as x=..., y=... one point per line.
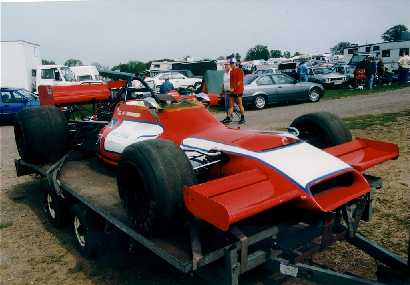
x=86, y=73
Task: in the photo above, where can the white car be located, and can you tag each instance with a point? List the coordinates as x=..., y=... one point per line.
x=177, y=79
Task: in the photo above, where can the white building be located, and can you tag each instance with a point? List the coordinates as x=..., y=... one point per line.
x=388, y=51
x=19, y=60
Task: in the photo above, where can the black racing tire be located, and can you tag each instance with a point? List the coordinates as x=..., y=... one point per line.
x=314, y=95
x=87, y=231
x=322, y=129
x=55, y=208
x=259, y=102
x=151, y=177
x=41, y=134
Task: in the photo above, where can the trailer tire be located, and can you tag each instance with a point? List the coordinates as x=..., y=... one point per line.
x=55, y=209
x=41, y=134
x=88, y=236
x=322, y=129
x=151, y=176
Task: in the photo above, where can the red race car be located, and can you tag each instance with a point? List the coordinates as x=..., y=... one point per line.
x=172, y=156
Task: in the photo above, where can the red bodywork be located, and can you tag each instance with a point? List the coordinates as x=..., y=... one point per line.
x=263, y=170
x=245, y=186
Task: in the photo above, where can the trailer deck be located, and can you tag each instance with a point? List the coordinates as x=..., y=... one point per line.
x=200, y=247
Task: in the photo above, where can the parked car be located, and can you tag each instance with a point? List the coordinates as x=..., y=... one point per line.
x=272, y=88
x=347, y=70
x=13, y=100
x=266, y=71
x=326, y=76
x=186, y=72
x=177, y=79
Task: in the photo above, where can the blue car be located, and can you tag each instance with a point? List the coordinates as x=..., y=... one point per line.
x=13, y=100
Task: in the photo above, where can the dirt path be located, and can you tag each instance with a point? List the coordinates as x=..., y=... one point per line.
x=280, y=116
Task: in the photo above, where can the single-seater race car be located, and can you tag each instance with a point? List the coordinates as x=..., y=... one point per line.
x=175, y=160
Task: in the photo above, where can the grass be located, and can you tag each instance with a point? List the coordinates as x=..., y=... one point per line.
x=362, y=122
x=345, y=92
x=5, y=225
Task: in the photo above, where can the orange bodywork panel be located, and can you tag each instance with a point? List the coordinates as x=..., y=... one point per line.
x=364, y=153
x=61, y=95
x=227, y=200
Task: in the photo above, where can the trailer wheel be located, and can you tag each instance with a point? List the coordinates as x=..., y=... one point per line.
x=41, y=134
x=151, y=176
x=322, y=129
x=88, y=236
x=56, y=211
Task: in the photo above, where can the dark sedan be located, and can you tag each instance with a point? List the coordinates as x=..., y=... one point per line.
x=274, y=88
x=13, y=100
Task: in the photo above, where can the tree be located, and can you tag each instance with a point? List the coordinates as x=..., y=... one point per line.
x=339, y=47
x=286, y=54
x=394, y=33
x=237, y=57
x=132, y=66
x=73, y=62
x=47, y=61
x=297, y=53
x=258, y=52
x=275, y=53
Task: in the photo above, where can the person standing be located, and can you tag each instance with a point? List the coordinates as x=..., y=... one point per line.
x=370, y=72
x=404, y=67
x=226, y=86
x=380, y=70
x=166, y=86
x=236, y=92
x=302, y=72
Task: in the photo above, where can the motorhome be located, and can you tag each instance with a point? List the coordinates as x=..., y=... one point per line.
x=388, y=51
x=19, y=61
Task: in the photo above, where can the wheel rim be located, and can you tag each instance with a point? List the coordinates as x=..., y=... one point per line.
x=260, y=102
x=79, y=231
x=50, y=207
x=314, y=96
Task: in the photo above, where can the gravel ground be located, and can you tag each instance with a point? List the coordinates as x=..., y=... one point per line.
x=33, y=252
x=280, y=116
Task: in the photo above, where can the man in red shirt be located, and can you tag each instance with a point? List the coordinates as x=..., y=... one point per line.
x=236, y=91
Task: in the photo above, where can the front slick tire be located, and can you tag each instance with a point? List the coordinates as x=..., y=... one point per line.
x=151, y=177
x=322, y=129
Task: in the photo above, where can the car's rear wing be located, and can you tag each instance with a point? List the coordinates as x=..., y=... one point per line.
x=64, y=95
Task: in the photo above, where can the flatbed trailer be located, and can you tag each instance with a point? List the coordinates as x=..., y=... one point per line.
x=221, y=258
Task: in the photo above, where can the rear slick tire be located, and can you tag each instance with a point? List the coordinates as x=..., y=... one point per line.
x=41, y=134
x=151, y=177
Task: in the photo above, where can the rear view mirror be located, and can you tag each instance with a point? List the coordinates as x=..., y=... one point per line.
x=151, y=103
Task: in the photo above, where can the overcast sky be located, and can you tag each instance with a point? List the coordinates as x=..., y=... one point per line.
x=110, y=32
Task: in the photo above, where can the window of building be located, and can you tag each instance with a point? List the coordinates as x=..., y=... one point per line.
x=404, y=51
x=386, y=53
x=376, y=48
x=367, y=49
x=350, y=51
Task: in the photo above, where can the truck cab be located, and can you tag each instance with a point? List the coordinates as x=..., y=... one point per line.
x=54, y=75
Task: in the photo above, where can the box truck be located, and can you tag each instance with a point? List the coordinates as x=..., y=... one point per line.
x=19, y=62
